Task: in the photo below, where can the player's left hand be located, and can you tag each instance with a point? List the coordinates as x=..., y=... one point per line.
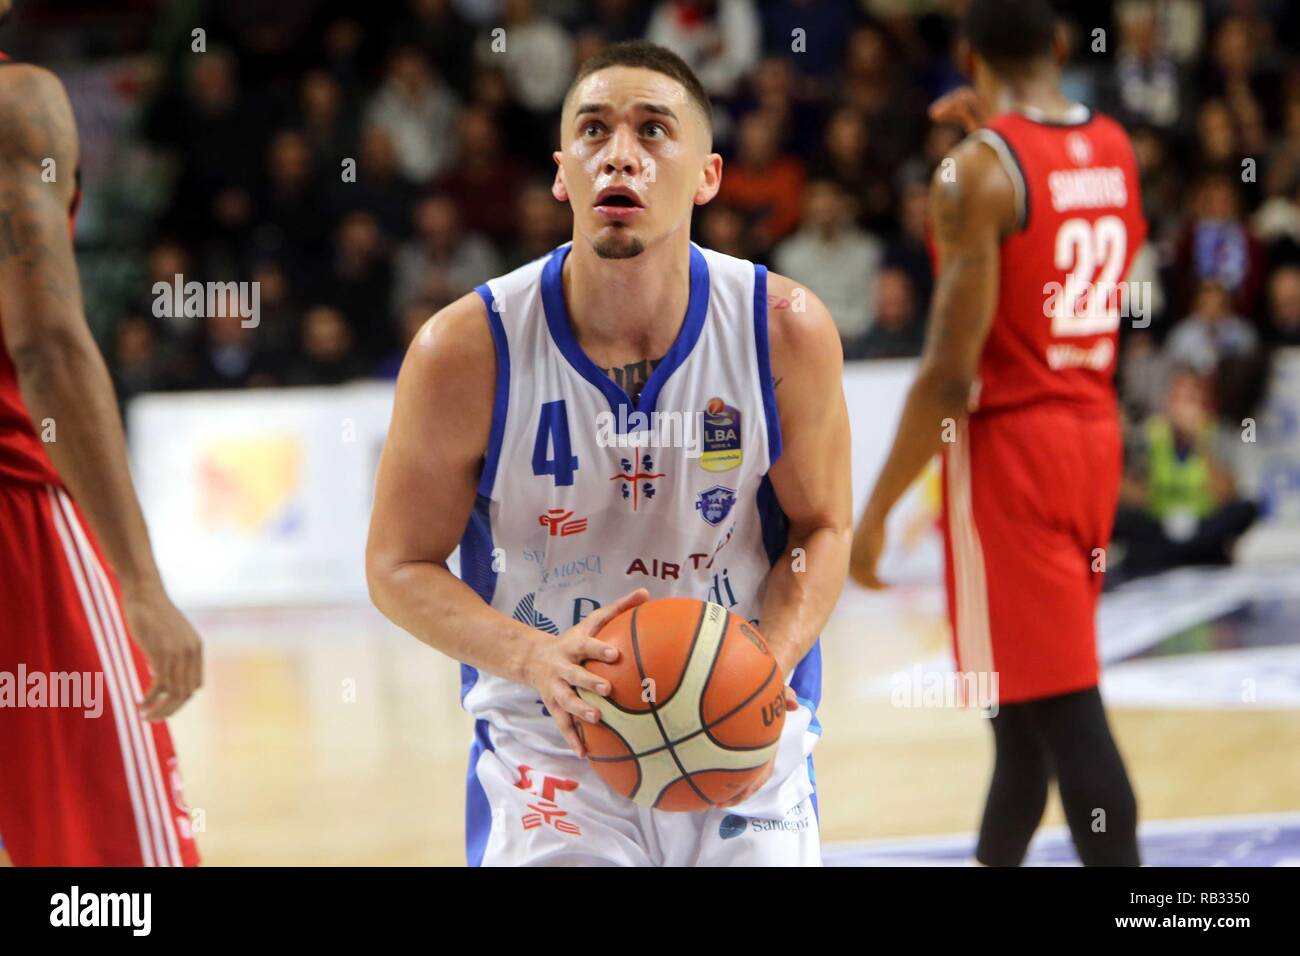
x=170, y=645
x=868, y=543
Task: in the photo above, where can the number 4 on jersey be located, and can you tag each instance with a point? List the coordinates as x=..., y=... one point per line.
x=551, y=450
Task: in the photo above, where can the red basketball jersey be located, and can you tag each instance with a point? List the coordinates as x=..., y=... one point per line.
x=1062, y=283
x=22, y=454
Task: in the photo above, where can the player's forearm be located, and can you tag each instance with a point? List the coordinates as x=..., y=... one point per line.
x=69, y=396
x=933, y=403
x=802, y=589
x=429, y=602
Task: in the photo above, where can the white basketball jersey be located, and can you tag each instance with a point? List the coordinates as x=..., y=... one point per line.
x=571, y=515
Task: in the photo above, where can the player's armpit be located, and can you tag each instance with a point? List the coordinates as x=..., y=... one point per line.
x=812, y=477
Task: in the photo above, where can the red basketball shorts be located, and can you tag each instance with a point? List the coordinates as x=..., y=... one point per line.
x=1029, y=503
x=84, y=781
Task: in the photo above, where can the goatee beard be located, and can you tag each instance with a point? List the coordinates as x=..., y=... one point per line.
x=618, y=247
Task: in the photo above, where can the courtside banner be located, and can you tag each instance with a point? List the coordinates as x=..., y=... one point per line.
x=260, y=497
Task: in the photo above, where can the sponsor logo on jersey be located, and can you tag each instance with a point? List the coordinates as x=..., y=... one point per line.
x=732, y=825
x=796, y=821
x=721, y=439
x=670, y=570
x=1097, y=358
x=561, y=523
x=1078, y=149
x=546, y=811
x=714, y=504
x=636, y=480
x=564, y=573
x=526, y=613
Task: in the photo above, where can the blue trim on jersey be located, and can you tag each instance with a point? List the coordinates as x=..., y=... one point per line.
x=476, y=569
x=478, y=812
x=812, y=776
x=501, y=399
x=557, y=320
x=765, y=365
x=807, y=677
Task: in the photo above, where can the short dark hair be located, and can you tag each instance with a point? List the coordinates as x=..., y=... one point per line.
x=1010, y=32
x=649, y=56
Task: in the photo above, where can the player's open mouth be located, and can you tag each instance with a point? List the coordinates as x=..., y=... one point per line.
x=618, y=203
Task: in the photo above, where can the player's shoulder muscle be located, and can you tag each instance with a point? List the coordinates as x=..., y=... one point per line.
x=448, y=377
x=971, y=190
x=802, y=338
x=37, y=118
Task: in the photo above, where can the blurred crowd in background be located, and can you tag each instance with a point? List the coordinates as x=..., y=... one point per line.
x=239, y=158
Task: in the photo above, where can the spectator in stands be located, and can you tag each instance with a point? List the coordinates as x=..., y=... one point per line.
x=544, y=224
x=848, y=158
x=1216, y=246
x=719, y=39
x=327, y=356
x=1211, y=334
x=722, y=228
x=444, y=260
x=906, y=249
x=1179, y=504
x=484, y=181
x=534, y=52
x=837, y=259
x=1284, y=305
x=418, y=110
x=325, y=122
x=898, y=331
x=230, y=356
x=379, y=185
x=295, y=219
x=136, y=360
x=763, y=184
x=1147, y=85
x=360, y=282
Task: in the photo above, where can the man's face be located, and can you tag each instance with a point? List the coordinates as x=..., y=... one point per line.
x=5, y=7
x=633, y=159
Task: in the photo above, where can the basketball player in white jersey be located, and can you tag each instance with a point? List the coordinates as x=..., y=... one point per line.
x=504, y=441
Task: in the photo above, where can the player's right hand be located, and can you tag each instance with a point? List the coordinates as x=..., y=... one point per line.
x=555, y=668
x=172, y=648
x=960, y=106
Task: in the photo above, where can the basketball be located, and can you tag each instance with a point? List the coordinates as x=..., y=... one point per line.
x=696, y=707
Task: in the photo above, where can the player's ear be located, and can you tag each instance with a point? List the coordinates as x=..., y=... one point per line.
x=1061, y=43
x=710, y=179
x=558, y=189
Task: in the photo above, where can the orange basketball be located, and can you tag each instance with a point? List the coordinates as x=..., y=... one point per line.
x=696, y=710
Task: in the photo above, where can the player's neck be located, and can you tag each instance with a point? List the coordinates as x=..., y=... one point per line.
x=1037, y=92
x=623, y=306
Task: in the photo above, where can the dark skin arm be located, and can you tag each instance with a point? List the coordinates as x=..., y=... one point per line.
x=62, y=377
x=972, y=213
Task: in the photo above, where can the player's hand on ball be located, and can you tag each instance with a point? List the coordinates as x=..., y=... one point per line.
x=172, y=648
x=555, y=668
x=868, y=543
x=961, y=107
